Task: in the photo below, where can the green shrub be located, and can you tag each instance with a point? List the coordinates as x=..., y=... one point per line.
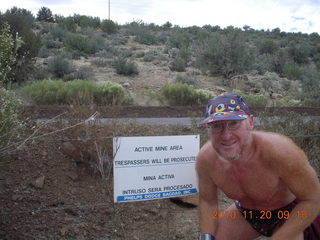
x=50, y=43
x=97, y=43
x=87, y=21
x=129, y=98
x=309, y=102
x=74, y=54
x=80, y=43
x=179, y=40
x=88, y=31
x=178, y=65
x=263, y=63
x=7, y=54
x=178, y=94
x=80, y=92
x=185, y=54
x=40, y=73
x=186, y=79
x=44, y=52
x=167, y=25
x=109, y=94
x=203, y=96
x=46, y=92
x=100, y=62
x=117, y=40
x=310, y=86
x=68, y=23
x=77, y=92
x=280, y=59
x=125, y=67
x=294, y=103
x=45, y=14
x=268, y=47
x=58, y=33
x=184, y=95
x=84, y=72
x=108, y=26
x=125, y=53
x=227, y=55
x=140, y=54
x=142, y=32
x=9, y=121
x=146, y=37
x=300, y=52
x=292, y=70
x=59, y=66
x=256, y=100
x=149, y=56
x=109, y=51
x=25, y=14
x=21, y=25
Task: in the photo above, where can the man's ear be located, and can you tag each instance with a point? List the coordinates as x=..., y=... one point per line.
x=251, y=122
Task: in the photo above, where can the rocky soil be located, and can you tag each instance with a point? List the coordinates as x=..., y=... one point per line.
x=54, y=189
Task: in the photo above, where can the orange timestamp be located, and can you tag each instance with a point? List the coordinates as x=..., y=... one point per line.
x=257, y=214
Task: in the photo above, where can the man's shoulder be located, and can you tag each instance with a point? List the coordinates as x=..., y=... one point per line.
x=276, y=146
x=271, y=138
x=205, y=149
x=207, y=152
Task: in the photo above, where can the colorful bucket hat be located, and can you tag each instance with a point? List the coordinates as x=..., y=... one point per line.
x=229, y=106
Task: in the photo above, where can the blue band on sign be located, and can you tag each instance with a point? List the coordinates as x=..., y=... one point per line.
x=149, y=196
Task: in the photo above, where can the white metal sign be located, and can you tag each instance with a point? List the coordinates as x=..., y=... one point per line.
x=148, y=168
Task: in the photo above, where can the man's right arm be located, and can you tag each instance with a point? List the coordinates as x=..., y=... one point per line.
x=208, y=202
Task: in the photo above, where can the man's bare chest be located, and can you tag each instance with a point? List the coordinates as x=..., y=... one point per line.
x=253, y=183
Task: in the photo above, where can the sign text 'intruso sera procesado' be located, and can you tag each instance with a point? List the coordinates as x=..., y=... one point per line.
x=148, y=168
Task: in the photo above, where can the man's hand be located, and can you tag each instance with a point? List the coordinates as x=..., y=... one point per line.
x=206, y=236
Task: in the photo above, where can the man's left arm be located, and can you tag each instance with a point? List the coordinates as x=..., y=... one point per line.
x=294, y=169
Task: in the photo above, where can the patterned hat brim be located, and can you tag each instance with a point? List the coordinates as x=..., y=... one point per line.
x=223, y=116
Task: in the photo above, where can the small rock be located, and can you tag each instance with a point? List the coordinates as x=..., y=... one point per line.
x=76, y=229
x=2, y=185
x=68, y=147
x=71, y=212
x=17, y=197
x=152, y=211
x=98, y=228
x=156, y=62
x=72, y=175
x=189, y=201
x=63, y=231
x=39, y=182
x=44, y=153
x=83, y=225
x=126, y=85
x=179, y=236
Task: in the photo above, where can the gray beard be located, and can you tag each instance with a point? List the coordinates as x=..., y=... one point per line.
x=231, y=158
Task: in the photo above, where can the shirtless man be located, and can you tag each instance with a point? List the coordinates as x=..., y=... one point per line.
x=276, y=191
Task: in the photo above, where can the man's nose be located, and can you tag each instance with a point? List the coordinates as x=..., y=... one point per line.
x=226, y=133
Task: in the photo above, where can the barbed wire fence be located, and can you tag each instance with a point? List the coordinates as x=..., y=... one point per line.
x=105, y=173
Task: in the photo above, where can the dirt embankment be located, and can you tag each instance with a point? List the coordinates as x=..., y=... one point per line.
x=35, y=112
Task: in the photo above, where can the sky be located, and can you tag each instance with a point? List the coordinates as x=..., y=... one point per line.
x=288, y=15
